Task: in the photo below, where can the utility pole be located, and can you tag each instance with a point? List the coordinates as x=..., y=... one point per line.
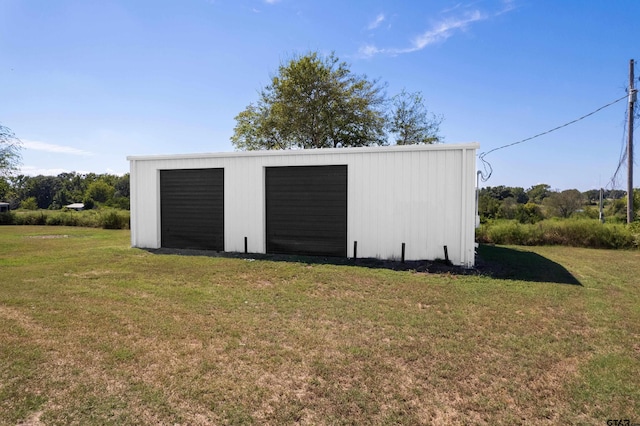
x=600, y=206
x=632, y=100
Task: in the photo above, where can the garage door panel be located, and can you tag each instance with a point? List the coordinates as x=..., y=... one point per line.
x=301, y=246
x=192, y=208
x=288, y=227
x=307, y=210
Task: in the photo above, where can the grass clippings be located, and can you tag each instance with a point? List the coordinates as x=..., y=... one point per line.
x=95, y=332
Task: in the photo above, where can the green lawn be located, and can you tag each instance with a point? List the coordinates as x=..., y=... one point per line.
x=94, y=332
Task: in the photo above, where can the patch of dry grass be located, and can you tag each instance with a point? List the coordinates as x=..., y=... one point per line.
x=94, y=332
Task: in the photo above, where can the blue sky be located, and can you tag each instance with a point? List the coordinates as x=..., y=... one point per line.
x=84, y=83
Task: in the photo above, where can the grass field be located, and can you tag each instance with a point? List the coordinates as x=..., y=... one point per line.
x=94, y=332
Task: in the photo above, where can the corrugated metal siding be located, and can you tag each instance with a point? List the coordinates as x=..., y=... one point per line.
x=422, y=196
x=410, y=198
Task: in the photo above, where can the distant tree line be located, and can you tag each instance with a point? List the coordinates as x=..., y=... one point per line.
x=55, y=192
x=540, y=202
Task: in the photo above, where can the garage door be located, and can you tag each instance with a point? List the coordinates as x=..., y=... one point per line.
x=192, y=209
x=306, y=209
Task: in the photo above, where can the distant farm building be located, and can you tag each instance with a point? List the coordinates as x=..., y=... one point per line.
x=75, y=206
x=412, y=202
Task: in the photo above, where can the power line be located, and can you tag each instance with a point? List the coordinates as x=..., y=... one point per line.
x=487, y=166
x=613, y=182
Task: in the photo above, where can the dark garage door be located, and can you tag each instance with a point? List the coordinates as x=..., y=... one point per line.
x=307, y=210
x=192, y=209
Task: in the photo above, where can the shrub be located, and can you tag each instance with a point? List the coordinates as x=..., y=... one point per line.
x=634, y=228
x=65, y=218
x=576, y=233
x=113, y=219
x=104, y=218
x=55, y=220
x=513, y=232
x=6, y=218
x=89, y=219
x=31, y=218
x=29, y=204
x=588, y=212
x=528, y=213
x=88, y=203
x=119, y=203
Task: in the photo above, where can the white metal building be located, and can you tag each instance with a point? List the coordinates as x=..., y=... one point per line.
x=380, y=202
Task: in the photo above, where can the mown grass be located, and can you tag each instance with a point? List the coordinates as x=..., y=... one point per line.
x=94, y=332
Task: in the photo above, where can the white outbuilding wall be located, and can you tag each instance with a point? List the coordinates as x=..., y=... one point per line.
x=423, y=196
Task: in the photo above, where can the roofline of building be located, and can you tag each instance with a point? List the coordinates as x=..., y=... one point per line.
x=317, y=151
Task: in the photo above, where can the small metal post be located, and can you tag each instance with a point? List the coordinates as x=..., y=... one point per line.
x=446, y=254
x=402, y=259
x=245, y=245
x=355, y=249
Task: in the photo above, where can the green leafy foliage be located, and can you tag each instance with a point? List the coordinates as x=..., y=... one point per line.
x=106, y=218
x=113, y=219
x=29, y=203
x=43, y=189
x=316, y=101
x=410, y=121
x=573, y=232
x=30, y=218
x=569, y=218
x=540, y=202
x=100, y=191
x=56, y=192
x=528, y=213
x=88, y=203
x=539, y=192
x=565, y=203
x=6, y=218
x=10, y=147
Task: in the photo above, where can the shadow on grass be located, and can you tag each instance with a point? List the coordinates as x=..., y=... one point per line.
x=427, y=266
x=508, y=263
x=496, y=262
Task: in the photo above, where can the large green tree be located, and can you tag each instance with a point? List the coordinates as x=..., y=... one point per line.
x=565, y=203
x=43, y=189
x=10, y=147
x=100, y=191
x=313, y=102
x=538, y=192
x=411, y=122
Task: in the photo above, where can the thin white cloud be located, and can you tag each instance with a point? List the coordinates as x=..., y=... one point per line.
x=439, y=32
x=369, y=50
x=460, y=6
x=37, y=171
x=444, y=30
x=507, y=6
x=114, y=172
x=376, y=22
x=271, y=1
x=58, y=149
